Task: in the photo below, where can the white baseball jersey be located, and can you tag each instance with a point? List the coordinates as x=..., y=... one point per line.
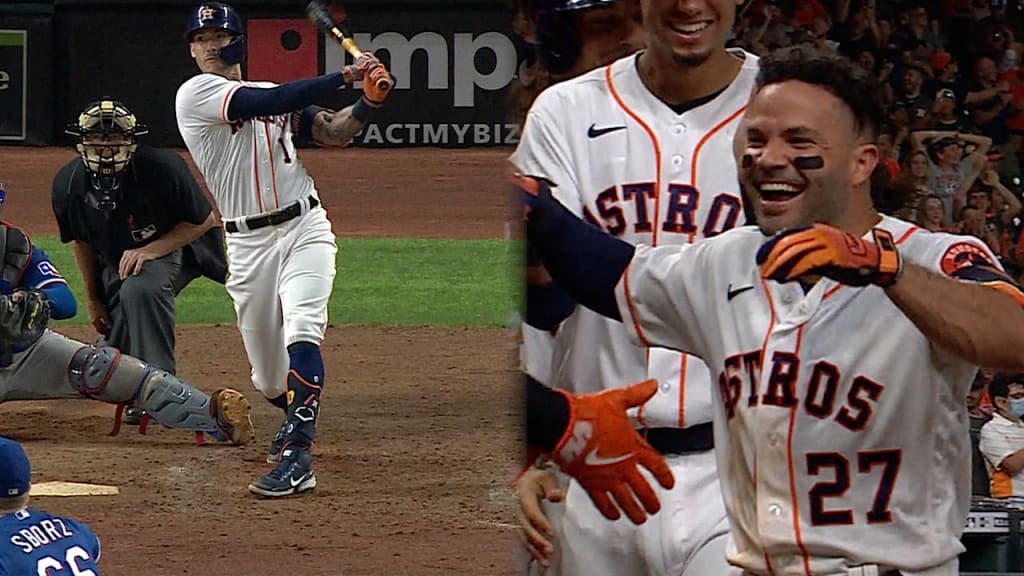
x=841, y=432
x=627, y=162
x=250, y=166
x=1000, y=438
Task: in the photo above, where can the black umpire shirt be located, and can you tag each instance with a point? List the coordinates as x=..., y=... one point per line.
x=157, y=192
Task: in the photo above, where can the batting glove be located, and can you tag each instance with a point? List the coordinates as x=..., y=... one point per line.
x=603, y=452
x=824, y=250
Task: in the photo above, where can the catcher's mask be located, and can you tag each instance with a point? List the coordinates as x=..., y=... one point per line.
x=106, y=132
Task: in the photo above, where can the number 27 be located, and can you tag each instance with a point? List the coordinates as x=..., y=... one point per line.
x=866, y=461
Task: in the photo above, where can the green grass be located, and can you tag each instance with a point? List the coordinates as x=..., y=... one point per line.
x=380, y=282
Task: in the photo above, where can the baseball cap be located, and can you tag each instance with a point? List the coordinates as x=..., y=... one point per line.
x=940, y=60
x=15, y=472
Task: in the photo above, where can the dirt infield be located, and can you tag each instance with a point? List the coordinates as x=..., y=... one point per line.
x=418, y=430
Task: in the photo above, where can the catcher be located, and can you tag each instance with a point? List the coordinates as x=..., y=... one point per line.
x=39, y=364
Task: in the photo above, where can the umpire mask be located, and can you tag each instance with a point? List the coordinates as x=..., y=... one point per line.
x=106, y=132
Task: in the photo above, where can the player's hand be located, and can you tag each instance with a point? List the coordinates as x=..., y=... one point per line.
x=823, y=250
x=132, y=261
x=535, y=485
x=358, y=69
x=98, y=316
x=603, y=452
x=375, y=95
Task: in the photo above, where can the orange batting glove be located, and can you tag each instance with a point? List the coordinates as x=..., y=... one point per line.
x=375, y=95
x=603, y=452
x=827, y=251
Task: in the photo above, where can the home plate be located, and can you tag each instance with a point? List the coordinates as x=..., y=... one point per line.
x=72, y=489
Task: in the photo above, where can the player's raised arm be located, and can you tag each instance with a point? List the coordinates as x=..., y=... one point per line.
x=976, y=311
x=646, y=288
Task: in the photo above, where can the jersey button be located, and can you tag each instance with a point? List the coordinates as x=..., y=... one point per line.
x=666, y=387
x=679, y=129
x=787, y=298
x=775, y=510
x=677, y=160
x=775, y=439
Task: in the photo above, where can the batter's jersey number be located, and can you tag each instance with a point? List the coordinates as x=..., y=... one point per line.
x=867, y=462
x=50, y=566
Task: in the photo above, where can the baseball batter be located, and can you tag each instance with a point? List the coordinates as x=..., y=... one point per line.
x=280, y=246
x=642, y=149
x=841, y=368
x=50, y=366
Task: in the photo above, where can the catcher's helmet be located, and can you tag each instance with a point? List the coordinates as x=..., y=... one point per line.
x=557, y=41
x=106, y=161
x=219, y=16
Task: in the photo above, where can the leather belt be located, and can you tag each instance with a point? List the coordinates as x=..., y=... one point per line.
x=274, y=218
x=699, y=438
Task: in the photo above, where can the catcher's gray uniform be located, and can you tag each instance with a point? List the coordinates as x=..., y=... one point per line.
x=39, y=364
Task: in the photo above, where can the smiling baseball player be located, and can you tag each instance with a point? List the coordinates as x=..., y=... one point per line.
x=841, y=367
x=642, y=149
x=280, y=246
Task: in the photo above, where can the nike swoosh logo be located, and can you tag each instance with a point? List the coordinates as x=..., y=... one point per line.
x=296, y=481
x=592, y=459
x=734, y=293
x=594, y=131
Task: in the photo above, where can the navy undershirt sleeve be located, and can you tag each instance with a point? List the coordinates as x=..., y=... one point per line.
x=547, y=415
x=585, y=261
x=249, y=102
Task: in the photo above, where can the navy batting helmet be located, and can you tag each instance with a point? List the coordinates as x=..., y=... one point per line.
x=557, y=40
x=219, y=16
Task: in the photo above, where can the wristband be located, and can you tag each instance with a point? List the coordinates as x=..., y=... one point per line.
x=362, y=110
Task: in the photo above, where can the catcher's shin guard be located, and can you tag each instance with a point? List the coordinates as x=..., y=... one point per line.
x=104, y=373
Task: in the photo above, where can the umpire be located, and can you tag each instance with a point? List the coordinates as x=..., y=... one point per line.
x=141, y=229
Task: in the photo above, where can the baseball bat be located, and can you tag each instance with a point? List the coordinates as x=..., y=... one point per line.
x=320, y=14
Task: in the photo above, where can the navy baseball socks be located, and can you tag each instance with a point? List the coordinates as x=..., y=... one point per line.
x=294, y=471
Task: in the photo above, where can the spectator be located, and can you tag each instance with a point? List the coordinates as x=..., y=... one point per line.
x=1002, y=437
x=915, y=176
x=931, y=214
x=858, y=31
x=980, y=485
x=989, y=99
x=888, y=153
x=947, y=75
x=944, y=113
x=973, y=224
x=912, y=98
x=995, y=201
x=918, y=36
x=20, y=551
x=949, y=171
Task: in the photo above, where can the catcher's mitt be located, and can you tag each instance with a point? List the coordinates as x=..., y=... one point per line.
x=23, y=317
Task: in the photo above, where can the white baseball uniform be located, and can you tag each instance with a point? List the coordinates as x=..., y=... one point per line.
x=848, y=446
x=630, y=164
x=281, y=276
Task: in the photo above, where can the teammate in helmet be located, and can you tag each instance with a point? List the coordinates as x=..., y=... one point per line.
x=141, y=229
x=56, y=367
x=574, y=36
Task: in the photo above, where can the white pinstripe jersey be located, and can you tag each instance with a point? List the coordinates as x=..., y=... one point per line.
x=622, y=159
x=250, y=166
x=841, y=432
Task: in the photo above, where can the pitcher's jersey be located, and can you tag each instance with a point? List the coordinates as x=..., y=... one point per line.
x=623, y=160
x=34, y=542
x=841, y=432
x=249, y=164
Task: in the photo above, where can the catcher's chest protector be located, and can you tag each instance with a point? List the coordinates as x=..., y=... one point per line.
x=17, y=253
